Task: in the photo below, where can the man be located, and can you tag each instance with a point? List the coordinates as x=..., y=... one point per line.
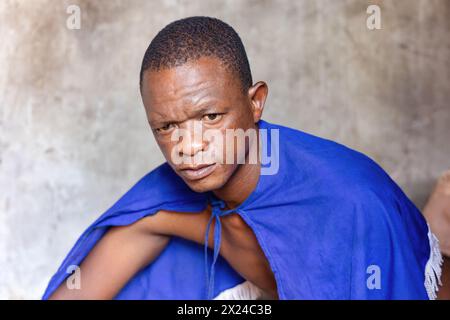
x=320, y=221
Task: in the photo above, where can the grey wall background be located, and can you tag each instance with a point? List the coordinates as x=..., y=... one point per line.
x=73, y=132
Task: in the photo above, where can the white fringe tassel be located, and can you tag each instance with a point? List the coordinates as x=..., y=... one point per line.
x=433, y=268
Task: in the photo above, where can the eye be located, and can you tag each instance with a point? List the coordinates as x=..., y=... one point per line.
x=164, y=128
x=212, y=117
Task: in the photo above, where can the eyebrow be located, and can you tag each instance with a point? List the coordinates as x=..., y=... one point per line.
x=207, y=107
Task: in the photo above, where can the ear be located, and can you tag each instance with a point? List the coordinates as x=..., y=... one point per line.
x=257, y=95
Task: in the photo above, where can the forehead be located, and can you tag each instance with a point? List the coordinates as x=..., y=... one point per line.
x=176, y=92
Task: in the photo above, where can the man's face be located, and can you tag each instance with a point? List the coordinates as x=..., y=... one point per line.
x=198, y=96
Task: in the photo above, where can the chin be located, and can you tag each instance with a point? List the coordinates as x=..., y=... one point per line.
x=204, y=185
x=210, y=183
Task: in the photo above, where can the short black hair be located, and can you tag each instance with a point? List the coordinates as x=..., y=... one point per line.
x=195, y=37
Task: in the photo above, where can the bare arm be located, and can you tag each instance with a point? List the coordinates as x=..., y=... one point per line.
x=120, y=254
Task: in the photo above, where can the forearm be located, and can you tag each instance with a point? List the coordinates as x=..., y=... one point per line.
x=116, y=258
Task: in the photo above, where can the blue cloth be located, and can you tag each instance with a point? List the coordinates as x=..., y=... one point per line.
x=326, y=220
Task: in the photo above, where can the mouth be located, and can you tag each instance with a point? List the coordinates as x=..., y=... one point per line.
x=198, y=172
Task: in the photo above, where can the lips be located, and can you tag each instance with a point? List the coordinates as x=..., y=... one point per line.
x=198, y=172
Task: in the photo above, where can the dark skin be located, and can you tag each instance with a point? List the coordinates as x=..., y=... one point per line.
x=206, y=93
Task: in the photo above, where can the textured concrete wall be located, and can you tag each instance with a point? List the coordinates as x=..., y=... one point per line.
x=73, y=133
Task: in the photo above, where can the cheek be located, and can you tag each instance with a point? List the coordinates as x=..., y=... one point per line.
x=241, y=118
x=225, y=172
x=216, y=146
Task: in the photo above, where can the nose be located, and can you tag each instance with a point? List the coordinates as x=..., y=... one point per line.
x=192, y=143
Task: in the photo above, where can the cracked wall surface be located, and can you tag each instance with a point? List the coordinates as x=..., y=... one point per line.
x=73, y=132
